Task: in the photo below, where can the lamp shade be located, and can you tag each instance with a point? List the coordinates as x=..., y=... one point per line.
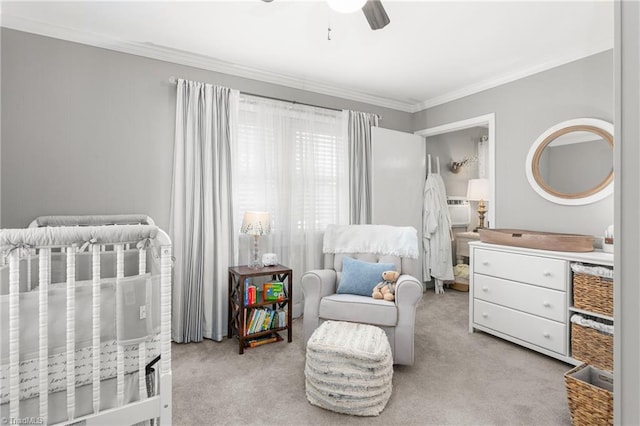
x=256, y=223
x=478, y=190
x=346, y=6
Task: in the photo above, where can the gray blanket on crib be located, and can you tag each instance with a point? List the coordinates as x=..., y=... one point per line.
x=63, y=236
x=94, y=220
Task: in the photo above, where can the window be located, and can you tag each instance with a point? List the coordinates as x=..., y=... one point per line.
x=291, y=160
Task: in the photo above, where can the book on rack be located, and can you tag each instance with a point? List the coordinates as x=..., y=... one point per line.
x=250, y=293
x=252, y=316
x=273, y=291
x=268, y=319
x=258, y=317
x=245, y=320
x=276, y=320
x=259, y=326
x=252, y=343
x=262, y=319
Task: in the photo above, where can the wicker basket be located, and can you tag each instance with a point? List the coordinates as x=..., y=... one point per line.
x=589, y=395
x=593, y=293
x=592, y=346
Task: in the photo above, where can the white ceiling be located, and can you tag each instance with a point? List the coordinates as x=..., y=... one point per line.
x=431, y=52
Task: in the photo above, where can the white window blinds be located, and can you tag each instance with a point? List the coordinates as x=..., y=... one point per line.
x=291, y=160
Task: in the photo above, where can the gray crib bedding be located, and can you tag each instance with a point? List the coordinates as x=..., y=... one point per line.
x=129, y=314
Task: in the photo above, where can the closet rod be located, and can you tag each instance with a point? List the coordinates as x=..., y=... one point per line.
x=174, y=80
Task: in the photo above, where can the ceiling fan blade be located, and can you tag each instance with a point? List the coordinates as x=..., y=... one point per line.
x=375, y=14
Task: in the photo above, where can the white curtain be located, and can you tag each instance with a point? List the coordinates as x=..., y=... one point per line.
x=483, y=154
x=358, y=133
x=291, y=161
x=201, y=223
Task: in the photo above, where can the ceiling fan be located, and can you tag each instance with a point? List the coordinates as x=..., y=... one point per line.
x=372, y=9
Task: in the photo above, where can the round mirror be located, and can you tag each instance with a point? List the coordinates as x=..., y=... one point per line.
x=572, y=162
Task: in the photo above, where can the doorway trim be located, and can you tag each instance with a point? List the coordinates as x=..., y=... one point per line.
x=488, y=120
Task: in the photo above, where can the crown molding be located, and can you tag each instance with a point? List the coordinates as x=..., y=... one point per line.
x=182, y=57
x=508, y=78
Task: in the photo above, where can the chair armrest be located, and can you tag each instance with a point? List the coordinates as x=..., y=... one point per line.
x=315, y=284
x=408, y=294
x=318, y=283
x=408, y=291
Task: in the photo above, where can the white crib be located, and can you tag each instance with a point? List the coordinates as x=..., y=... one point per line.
x=84, y=312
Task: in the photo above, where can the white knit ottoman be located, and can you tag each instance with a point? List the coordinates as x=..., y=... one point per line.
x=349, y=368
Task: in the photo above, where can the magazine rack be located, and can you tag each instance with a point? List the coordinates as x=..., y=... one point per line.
x=273, y=316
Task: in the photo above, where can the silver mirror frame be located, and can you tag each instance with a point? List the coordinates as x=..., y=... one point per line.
x=599, y=192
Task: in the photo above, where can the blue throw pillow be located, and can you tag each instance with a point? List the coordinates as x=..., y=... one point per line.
x=359, y=277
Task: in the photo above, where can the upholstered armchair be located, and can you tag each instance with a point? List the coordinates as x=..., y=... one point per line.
x=327, y=298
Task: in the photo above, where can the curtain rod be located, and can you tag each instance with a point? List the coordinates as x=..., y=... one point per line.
x=174, y=80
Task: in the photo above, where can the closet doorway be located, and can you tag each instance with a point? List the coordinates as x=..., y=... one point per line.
x=465, y=150
x=470, y=132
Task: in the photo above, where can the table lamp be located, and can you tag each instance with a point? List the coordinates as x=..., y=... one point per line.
x=478, y=190
x=256, y=224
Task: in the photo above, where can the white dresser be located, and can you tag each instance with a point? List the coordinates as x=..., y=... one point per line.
x=525, y=295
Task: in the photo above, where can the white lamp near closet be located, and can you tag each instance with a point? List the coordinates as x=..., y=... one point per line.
x=478, y=190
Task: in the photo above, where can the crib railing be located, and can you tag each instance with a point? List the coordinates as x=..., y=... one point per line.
x=71, y=242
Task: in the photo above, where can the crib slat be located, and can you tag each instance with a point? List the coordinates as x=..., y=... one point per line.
x=119, y=260
x=120, y=361
x=14, y=332
x=165, y=335
x=142, y=357
x=142, y=261
x=120, y=375
x=71, y=332
x=29, y=270
x=142, y=347
x=95, y=262
x=43, y=315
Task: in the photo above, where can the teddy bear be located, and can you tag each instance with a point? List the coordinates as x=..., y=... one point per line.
x=386, y=289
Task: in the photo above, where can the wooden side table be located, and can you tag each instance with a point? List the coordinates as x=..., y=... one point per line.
x=462, y=256
x=237, y=318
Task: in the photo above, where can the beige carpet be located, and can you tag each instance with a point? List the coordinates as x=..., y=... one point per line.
x=458, y=379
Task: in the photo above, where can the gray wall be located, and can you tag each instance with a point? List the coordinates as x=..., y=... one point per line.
x=456, y=146
x=524, y=109
x=88, y=130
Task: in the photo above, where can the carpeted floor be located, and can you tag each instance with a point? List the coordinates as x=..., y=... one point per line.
x=458, y=379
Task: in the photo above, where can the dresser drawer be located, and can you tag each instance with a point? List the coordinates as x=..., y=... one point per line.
x=542, y=271
x=535, y=300
x=539, y=331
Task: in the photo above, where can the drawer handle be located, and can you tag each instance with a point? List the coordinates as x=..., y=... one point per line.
x=485, y=288
x=546, y=304
x=485, y=315
x=546, y=335
x=546, y=273
x=485, y=262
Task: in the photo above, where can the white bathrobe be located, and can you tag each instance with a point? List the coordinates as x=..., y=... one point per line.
x=436, y=233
